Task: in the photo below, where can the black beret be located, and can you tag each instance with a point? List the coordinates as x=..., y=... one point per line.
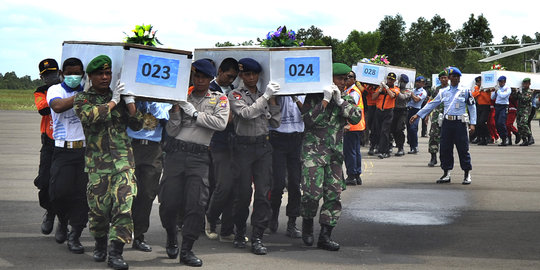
x=249, y=64
x=204, y=66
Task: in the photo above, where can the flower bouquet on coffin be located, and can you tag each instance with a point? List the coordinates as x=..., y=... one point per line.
x=281, y=38
x=497, y=67
x=143, y=35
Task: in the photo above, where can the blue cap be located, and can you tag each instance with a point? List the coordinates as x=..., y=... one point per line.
x=502, y=78
x=454, y=71
x=249, y=64
x=404, y=78
x=204, y=66
x=420, y=79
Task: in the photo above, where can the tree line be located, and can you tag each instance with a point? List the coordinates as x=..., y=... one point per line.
x=10, y=80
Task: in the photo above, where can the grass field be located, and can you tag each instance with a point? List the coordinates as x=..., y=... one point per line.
x=19, y=100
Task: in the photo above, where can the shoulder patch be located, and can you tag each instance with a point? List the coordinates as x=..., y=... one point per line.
x=223, y=98
x=237, y=95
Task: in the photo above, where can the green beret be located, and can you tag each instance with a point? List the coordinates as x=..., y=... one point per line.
x=443, y=73
x=340, y=69
x=527, y=80
x=99, y=63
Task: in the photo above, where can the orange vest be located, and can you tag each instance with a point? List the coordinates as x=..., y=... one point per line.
x=370, y=89
x=40, y=99
x=385, y=101
x=482, y=97
x=362, y=124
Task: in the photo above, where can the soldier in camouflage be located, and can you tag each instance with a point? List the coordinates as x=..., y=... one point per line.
x=109, y=160
x=435, y=129
x=524, y=109
x=325, y=116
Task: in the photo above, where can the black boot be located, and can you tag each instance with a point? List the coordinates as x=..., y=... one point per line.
x=100, y=249
x=518, y=138
x=307, y=231
x=531, y=139
x=509, y=140
x=172, y=243
x=186, y=255
x=48, y=223
x=240, y=238
x=257, y=246
x=400, y=152
x=371, y=151
x=358, y=179
x=273, y=224
x=350, y=180
x=140, y=244
x=433, y=160
x=525, y=141
x=73, y=242
x=292, y=231
x=483, y=141
x=61, y=232
x=115, y=260
x=445, y=178
x=325, y=242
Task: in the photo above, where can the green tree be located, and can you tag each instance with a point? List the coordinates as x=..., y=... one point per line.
x=392, y=31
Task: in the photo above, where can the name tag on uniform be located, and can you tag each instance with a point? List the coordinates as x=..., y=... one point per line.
x=457, y=105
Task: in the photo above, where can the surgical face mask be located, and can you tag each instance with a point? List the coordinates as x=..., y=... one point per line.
x=73, y=81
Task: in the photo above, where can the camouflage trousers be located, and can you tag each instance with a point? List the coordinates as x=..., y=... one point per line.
x=322, y=180
x=435, y=131
x=110, y=197
x=523, y=122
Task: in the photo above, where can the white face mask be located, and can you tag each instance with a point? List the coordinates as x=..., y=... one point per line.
x=73, y=81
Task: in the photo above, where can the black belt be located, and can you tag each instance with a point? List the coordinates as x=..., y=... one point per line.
x=276, y=134
x=192, y=147
x=251, y=139
x=143, y=142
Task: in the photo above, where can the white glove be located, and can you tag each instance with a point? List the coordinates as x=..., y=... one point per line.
x=129, y=99
x=336, y=95
x=187, y=107
x=117, y=92
x=328, y=92
x=271, y=89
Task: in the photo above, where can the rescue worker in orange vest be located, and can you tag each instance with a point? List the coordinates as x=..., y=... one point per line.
x=483, y=103
x=386, y=98
x=352, y=137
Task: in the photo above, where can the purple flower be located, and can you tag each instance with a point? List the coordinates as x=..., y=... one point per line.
x=269, y=35
x=277, y=33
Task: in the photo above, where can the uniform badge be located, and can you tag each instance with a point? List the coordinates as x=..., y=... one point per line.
x=223, y=103
x=212, y=100
x=237, y=96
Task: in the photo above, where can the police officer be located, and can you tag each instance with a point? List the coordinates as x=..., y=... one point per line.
x=110, y=164
x=501, y=95
x=253, y=113
x=399, y=121
x=185, y=177
x=325, y=115
x=456, y=101
x=415, y=104
x=483, y=103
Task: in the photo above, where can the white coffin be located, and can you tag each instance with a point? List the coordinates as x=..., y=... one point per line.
x=513, y=78
x=374, y=73
x=298, y=70
x=466, y=81
x=149, y=72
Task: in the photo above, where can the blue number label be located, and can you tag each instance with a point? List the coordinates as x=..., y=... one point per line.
x=157, y=71
x=302, y=70
x=371, y=71
x=489, y=78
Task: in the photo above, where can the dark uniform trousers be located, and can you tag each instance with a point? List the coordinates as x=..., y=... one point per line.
x=370, y=125
x=44, y=172
x=68, y=184
x=501, y=112
x=454, y=132
x=252, y=164
x=287, y=170
x=185, y=183
x=222, y=199
x=351, y=152
x=412, y=129
x=148, y=167
x=399, y=123
x=383, y=120
x=482, y=116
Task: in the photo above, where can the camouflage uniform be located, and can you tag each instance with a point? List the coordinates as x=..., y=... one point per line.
x=435, y=129
x=109, y=163
x=524, y=109
x=323, y=156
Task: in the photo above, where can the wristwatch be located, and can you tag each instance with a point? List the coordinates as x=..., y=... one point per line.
x=195, y=114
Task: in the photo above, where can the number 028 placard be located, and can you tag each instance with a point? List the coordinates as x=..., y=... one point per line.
x=157, y=71
x=302, y=69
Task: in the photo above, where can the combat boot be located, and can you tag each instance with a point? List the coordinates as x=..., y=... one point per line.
x=172, y=243
x=186, y=255
x=292, y=231
x=100, y=249
x=371, y=151
x=518, y=138
x=325, y=242
x=358, y=179
x=48, y=223
x=115, y=260
x=73, y=242
x=350, y=181
x=400, y=152
x=61, y=232
x=307, y=231
x=525, y=141
x=531, y=139
x=433, y=160
x=240, y=238
x=445, y=178
x=257, y=246
x=273, y=223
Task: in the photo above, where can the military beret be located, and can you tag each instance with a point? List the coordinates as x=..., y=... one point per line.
x=340, y=69
x=249, y=64
x=404, y=78
x=502, y=78
x=48, y=64
x=454, y=71
x=443, y=73
x=420, y=79
x=527, y=80
x=99, y=63
x=391, y=75
x=204, y=66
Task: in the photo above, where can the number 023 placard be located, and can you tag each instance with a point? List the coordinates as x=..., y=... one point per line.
x=157, y=71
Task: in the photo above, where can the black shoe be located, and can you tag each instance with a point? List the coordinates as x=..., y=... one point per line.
x=140, y=244
x=384, y=155
x=483, y=141
x=257, y=247
x=48, y=223
x=509, y=140
x=307, y=231
x=400, y=152
x=100, y=249
x=115, y=260
x=413, y=151
x=188, y=258
x=61, y=233
x=350, y=181
x=240, y=239
x=325, y=242
x=73, y=242
x=433, y=160
x=172, y=243
x=503, y=142
x=518, y=138
x=445, y=178
x=467, y=178
x=531, y=140
x=358, y=180
x=292, y=231
x=371, y=151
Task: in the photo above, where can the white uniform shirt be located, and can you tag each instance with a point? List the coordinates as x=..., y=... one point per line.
x=66, y=125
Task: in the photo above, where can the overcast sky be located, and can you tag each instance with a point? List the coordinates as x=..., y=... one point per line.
x=33, y=30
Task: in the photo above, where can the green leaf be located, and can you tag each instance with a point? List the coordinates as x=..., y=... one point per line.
x=147, y=27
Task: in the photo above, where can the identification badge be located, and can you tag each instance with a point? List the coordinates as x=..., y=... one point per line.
x=457, y=105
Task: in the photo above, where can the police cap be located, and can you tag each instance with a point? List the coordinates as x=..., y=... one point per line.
x=249, y=64
x=204, y=66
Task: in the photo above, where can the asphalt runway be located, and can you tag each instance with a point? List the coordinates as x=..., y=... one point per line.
x=398, y=219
